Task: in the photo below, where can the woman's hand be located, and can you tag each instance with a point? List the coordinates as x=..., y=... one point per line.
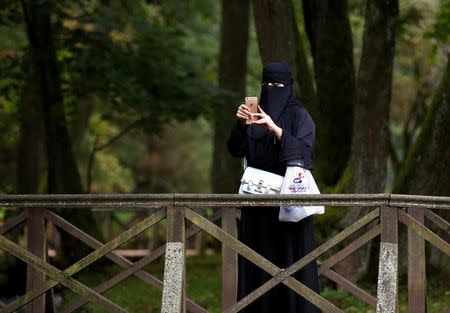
x=266, y=121
x=243, y=113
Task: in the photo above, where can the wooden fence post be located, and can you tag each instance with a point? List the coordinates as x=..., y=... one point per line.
x=36, y=244
x=387, y=291
x=417, y=278
x=229, y=261
x=174, y=290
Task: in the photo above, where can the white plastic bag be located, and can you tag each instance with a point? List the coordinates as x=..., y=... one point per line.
x=298, y=180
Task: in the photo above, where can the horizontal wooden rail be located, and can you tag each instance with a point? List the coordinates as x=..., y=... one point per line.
x=134, y=201
x=179, y=206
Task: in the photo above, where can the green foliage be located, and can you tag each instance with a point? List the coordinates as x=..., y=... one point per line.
x=10, y=12
x=410, y=18
x=12, y=39
x=441, y=27
x=10, y=86
x=134, y=62
x=199, y=22
x=179, y=160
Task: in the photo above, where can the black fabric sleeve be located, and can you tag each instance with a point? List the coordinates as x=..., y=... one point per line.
x=236, y=142
x=300, y=143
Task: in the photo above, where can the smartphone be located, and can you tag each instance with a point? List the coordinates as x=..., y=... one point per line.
x=252, y=103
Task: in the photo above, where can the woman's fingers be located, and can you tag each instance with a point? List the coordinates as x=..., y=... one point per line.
x=246, y=115
x=262, y=115
x=242, y=116
x=244, y=112
x=244, y=108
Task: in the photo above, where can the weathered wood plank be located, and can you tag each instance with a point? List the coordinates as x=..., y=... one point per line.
x=351, y=287
x=387, y=291
x=409, y=201
x=259, y=260
x=237, y=200
x=121, y=261
x=106, y=201
x=349, y=249
x=307, y=259
x=57, y=276
x=229, y=261
x=139, y=201
x=13, y=222
x=389, y=224
x=417, y=289
x=176, y=225
x=424, y=232
x=438, y=221
x=174, y=291
x=36, y=244
x=92, y=257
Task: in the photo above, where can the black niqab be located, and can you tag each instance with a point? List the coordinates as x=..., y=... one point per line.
x=273, y=100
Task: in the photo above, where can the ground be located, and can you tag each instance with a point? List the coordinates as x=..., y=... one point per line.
x=203, y=286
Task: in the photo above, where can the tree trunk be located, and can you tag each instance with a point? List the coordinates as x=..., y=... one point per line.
x=30, y=151
x=29, y=170
x=426, y=170
x=279, y=40
x=307, y=93
x=328, y=29
x=85, y=109
x=370, y=144
x=226, y=171
x=62, y=175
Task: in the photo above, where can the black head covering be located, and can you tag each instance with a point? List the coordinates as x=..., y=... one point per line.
x=274, y=99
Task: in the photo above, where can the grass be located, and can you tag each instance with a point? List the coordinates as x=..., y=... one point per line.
x=203, y=286
x=204, y=283
x=438, y=299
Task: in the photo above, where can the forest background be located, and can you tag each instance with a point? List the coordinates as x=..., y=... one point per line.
x=114, y=96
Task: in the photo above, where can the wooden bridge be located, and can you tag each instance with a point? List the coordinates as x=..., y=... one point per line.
x=385, y=213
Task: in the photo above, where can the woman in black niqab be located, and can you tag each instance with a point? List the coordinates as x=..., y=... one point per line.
x=283, y=135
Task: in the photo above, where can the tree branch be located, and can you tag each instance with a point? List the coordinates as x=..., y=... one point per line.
x=112, y=140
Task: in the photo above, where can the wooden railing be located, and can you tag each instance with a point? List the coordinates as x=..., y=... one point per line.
x=383, y=217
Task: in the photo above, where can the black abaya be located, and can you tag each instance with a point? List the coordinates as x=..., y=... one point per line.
x=282, y=243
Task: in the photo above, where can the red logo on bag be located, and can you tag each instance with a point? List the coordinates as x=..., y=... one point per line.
x=298, y=180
